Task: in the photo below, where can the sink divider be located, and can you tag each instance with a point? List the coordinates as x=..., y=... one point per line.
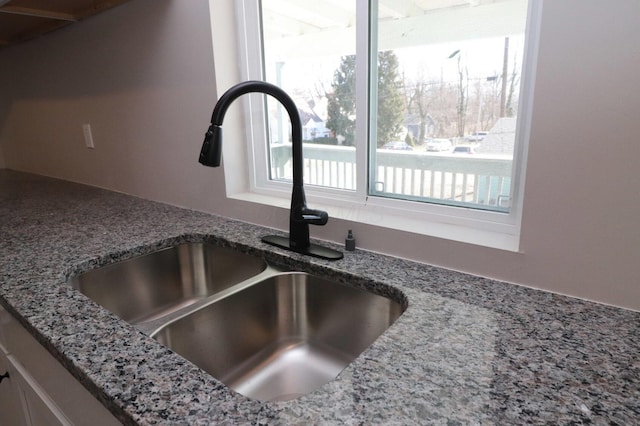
x=153, y=326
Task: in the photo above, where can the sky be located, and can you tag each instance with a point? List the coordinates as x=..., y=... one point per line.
x=483, y=58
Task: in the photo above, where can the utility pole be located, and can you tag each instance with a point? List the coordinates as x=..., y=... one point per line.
x=505, y=71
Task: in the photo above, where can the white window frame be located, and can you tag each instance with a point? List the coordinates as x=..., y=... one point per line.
x=468, y=225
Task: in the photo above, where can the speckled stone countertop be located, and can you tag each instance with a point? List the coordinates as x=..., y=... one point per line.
x=467, y=350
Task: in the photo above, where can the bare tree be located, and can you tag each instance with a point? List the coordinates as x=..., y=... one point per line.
x=514, y=83
x=421, y=98
x=491, y=102
x=463, y=96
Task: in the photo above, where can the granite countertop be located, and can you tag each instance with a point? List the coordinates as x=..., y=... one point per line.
x=467, y=350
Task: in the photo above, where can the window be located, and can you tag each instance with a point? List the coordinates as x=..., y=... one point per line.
x=417, y=109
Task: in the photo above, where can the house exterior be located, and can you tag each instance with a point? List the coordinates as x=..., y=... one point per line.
x=314, y=128
x=500, y=139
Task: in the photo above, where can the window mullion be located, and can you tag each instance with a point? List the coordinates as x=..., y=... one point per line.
x=252, y=68
x=365, y=93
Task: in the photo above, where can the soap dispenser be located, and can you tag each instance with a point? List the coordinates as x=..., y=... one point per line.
x=350, y=242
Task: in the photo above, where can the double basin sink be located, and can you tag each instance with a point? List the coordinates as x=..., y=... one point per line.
x=265, y=332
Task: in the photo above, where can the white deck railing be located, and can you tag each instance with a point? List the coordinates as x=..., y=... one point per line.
x=468, y=179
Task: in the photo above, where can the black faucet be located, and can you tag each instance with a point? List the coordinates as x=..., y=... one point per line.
x=300, y=215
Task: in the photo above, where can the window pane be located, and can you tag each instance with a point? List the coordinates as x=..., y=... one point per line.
x=309, y=51
x=448, y=80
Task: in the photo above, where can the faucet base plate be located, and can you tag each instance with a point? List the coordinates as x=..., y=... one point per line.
x=313, y=249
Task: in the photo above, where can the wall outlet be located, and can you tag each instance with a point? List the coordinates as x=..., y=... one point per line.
x=88, y=136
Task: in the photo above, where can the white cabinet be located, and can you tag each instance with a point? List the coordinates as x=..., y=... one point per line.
x=11, y=404
x=39, y=408
x=45, y=392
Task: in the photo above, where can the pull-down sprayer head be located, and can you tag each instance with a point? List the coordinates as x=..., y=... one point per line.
x=211, y=152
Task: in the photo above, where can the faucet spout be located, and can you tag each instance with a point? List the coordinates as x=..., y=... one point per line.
x=300, y=215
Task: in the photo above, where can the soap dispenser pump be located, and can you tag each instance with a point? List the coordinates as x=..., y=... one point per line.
x=350, y=242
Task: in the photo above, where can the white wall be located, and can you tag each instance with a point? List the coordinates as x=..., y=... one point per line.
x=142, y=75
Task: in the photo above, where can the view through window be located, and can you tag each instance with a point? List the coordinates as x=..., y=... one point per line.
x=444, y=95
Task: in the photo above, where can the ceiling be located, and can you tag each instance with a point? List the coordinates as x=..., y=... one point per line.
x=22, y=20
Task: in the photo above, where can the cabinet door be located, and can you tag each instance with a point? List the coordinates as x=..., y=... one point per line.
x=53, y=396
x=11, y=403
x=41, y=409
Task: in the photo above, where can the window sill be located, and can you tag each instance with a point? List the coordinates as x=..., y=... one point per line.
x=484, y=233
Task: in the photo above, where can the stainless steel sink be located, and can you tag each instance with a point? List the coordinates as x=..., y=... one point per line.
x=282, y=337
x=153, y=286
x=269, y=334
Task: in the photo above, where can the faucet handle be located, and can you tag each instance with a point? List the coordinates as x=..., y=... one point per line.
x=314, y=217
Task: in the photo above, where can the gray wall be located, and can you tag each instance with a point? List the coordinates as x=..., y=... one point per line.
x=142, y=75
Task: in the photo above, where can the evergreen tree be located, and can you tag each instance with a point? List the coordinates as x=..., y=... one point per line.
x=342, y=103
x=390, y=99
x=341, y=108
